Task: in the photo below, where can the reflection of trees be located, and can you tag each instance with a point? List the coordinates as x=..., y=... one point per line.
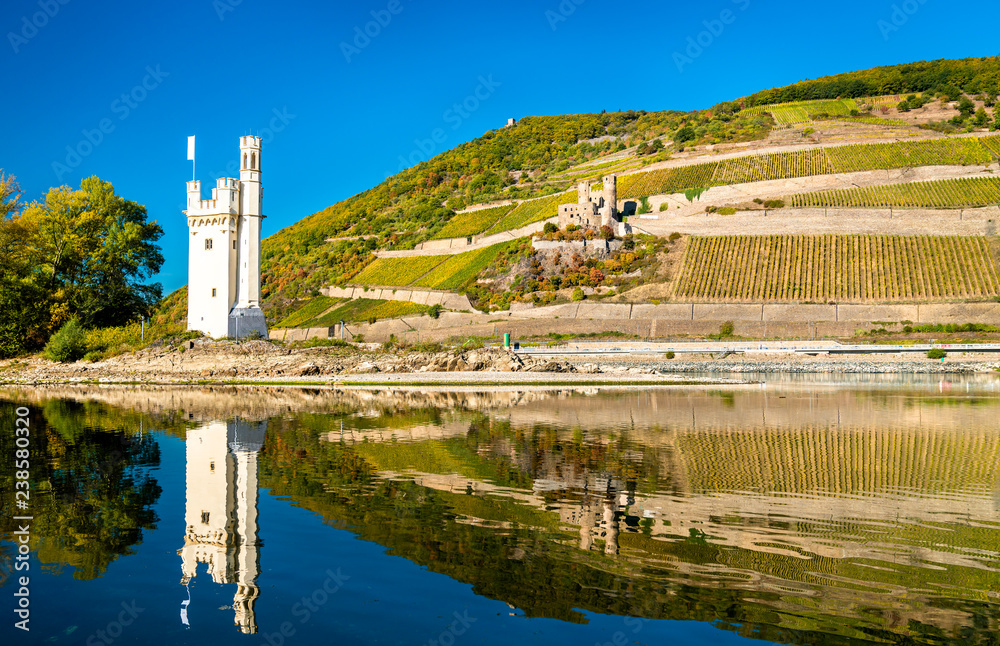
x=91, y=496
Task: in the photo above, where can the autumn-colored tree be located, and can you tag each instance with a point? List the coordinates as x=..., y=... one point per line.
x=79, y=253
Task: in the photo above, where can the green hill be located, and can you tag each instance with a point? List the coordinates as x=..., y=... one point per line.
x=545, y=155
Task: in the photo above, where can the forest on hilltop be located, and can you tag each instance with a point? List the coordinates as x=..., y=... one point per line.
x=969, y=75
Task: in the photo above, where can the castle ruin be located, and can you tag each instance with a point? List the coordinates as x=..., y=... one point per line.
x=592, y=210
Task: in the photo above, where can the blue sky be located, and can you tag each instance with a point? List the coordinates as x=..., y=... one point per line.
x=114, y=88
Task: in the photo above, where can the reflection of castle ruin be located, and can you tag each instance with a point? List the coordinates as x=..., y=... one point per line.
x=221, y=511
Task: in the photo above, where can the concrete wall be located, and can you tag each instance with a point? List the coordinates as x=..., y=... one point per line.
x=666, y=320
x=448, y=300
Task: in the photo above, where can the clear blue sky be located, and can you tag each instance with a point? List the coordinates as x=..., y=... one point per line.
x=337, y=122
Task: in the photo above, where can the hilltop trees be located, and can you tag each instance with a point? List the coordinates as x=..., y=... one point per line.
x=78, y=254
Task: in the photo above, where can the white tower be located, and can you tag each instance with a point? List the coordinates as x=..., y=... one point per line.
x=224, y=251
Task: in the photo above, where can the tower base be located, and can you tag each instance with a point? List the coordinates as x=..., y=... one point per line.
x=247, y=321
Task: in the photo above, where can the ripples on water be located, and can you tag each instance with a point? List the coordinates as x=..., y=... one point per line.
x=795, y=511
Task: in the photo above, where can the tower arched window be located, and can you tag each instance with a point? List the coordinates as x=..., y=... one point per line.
x=253, y=160
x=244, y=160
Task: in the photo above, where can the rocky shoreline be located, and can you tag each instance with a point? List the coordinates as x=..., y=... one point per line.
x=265, y=362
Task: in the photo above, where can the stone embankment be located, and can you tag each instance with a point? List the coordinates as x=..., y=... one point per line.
x=265, y=361
x=262, y=361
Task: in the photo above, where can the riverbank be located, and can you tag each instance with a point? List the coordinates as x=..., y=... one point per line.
x=262, y=362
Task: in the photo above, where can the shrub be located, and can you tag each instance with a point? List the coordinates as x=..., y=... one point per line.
x=549, y=227
x=372, y=320
x=674, y=236
x=774, y=204
x=578, y=294
x=669, y=354
x=434, y=311
x=726, y=329
x=68, y=344
x=727, y=210
x=936, y=353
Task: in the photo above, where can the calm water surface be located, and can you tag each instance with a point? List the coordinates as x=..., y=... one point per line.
x=800, y=511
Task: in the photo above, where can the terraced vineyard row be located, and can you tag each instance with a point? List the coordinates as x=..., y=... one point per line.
x=873, y=121
x=397, y=271
x=533, y=211
x=962, y=192
x=817, y=161
x=992, y=143
x=472, y=222
x=666, y=180
x=837, y=268
x=905, y=154
x=787, y=114
x=456, y=270
x=757, y=168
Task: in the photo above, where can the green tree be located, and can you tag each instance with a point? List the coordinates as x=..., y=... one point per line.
x=93, y=250
x=23, y=311
x=981, y=117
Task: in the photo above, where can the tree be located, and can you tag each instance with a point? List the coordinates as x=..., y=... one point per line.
x=82, y=253
x=93, y=250
x=687, y=133
x=10, y=194
x=981, y=117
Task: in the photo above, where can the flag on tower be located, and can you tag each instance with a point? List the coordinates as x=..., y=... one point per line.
x=191, y=148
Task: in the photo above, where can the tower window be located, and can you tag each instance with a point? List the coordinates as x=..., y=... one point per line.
x=214, y=292
x=208, y=244
x=204, y=517
x=234, y=244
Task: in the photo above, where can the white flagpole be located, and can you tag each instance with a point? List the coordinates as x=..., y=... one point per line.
x=191, y=155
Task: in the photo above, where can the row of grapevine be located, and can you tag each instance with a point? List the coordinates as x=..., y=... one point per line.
x=837, y=268
x=666, y=180
x=397, y=271
x=955, y=193
x=873, y=121
x=456, y=270
x=472, y=222
x=803, y=163
x=756, y=168
x=904, y=154
x=364, y=309
x=992, y=143
x=888, y=100
x=533, y=211
x=788, y=114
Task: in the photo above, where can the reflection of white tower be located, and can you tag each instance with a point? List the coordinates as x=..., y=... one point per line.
x=221, y=512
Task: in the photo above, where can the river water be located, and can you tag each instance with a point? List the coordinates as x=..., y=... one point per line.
x=800, y=510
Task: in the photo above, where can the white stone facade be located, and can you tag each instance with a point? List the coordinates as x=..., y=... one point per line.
x=224, y=251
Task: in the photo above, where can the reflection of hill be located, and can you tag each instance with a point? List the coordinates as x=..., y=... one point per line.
x=831, y=517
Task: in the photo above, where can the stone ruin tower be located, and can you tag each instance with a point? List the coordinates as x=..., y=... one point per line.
x=609, y=206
